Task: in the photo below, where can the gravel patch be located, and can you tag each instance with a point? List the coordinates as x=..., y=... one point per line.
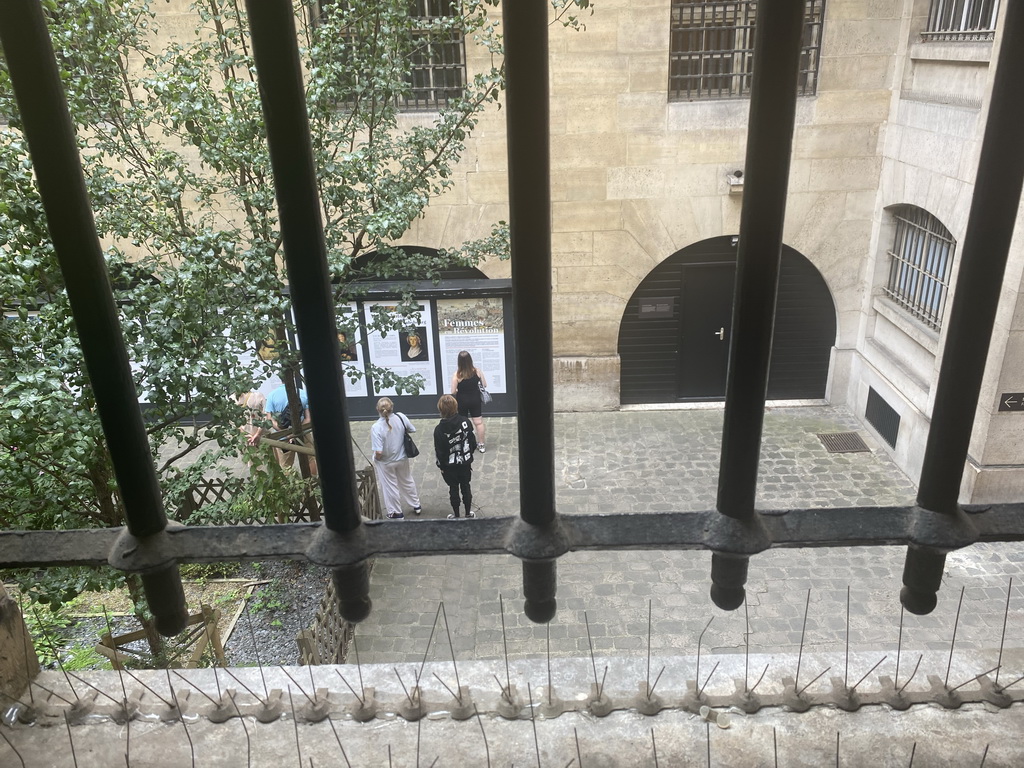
x=279, y=609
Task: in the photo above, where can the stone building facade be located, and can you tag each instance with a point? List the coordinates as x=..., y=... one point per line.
x=649, y=116
x=891, y=131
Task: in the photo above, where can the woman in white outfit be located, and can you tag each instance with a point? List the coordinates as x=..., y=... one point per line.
x=387, y=440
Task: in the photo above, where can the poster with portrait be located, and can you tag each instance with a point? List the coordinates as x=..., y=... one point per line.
x=477, y=326
x=407, y=351
x=353, y=367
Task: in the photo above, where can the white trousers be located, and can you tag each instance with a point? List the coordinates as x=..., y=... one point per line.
x=396, y=485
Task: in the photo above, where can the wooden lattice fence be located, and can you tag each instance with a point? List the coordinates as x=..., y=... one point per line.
x=329, y=638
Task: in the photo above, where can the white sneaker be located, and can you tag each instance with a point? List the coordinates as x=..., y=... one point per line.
x=482, y=448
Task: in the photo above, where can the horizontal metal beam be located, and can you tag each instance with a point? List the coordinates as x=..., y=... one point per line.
x=841, y=527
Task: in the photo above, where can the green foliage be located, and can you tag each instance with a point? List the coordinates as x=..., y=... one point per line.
x=174, y=151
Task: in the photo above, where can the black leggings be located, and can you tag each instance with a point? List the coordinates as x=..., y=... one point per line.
x=458, y=478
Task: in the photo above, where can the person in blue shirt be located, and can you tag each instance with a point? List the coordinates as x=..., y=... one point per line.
x=277, y=411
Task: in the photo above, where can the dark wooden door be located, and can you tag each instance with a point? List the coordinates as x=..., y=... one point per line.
x=705, y=315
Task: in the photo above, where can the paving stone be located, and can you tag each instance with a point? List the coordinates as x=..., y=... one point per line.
x=668, y=460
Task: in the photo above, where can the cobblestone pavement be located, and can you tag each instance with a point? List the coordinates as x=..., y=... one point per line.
x=668, y=460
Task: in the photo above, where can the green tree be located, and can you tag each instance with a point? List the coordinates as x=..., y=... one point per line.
x=175, y=157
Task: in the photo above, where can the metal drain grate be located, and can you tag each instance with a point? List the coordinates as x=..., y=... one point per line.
x=843, y=442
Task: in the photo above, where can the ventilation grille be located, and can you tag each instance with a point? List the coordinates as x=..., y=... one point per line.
x=882, y=417
x=843, y=442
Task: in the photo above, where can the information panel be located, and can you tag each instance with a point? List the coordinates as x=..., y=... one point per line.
x=405, y=352
x=477, y=326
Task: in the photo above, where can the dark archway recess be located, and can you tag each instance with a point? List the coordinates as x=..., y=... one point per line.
x=667, y=345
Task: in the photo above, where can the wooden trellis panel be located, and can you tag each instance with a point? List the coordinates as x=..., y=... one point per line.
x=329, y=638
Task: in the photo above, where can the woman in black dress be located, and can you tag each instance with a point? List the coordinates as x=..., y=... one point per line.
x=466, y=383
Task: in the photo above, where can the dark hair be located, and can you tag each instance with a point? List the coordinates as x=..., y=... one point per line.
x=466, y=367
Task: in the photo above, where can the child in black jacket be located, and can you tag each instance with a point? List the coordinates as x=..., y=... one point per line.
x=454, y=444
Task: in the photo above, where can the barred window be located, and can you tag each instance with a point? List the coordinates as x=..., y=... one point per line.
x=962, y=20
x=435, y=54
x=712, y=49
x=921, y=260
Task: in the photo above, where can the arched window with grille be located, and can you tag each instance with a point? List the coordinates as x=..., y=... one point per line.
x=920, y=264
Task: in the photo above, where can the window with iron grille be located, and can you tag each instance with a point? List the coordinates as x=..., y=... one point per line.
x=961, y=20
x=712, y=49
x=433, y=51
x=921, y=259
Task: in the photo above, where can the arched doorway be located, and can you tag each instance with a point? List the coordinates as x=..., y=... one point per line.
x=675, y=331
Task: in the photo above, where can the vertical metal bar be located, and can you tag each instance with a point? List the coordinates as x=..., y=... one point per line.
x=997, y=191
x=777, y=40
x=51, y=138
x=527, y=116
x=276, y=51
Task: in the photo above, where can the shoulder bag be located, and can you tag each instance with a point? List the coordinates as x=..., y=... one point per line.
x=411, y=451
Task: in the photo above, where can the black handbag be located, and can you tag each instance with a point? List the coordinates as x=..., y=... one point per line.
x=411, y=451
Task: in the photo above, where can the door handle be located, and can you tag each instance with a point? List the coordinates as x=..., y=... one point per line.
x=720, y=333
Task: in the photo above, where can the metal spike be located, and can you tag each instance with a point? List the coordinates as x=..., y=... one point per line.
x=133, y=677
x=71, y=741
x=56, y=654
x=649, y=649
x=189, y=682
x=868, y=673
x=650, y=691
x=1002, y=637
x=359, y=667
x=426, y=651
x=952, y=642
x=707, y=735
x=442, y=682
x=13, y=748
x=358, y=698
x=547, y=633
x=250, y=691
x=921, y=656
x=98, y=690
x=245, y=730
x=120, y=674
x=255, y=649
x=775, y=747
x=181, y=716
x=479, y=722
x=846, y=668
x=310, y=700
x=803, y=632
x=419, y=727
x=337, y=738
x=983, y=756
x=533, y=720
x=710, y=675
x=899, y=647
x=813, y=681
x=451, y=647
x=504, y=642
x=579, y=755
x=654, y=748
x=295, y=724
x=746, y=643
x=837, y=732
x=763, y=673
x=971, y=680
x=411, y=702
x=913, y=749
x=700, y=640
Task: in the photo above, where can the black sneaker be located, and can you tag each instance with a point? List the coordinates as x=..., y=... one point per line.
x=417, y=510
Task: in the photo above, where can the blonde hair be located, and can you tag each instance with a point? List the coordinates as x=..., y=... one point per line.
x=447, y=406
x=385, y=408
